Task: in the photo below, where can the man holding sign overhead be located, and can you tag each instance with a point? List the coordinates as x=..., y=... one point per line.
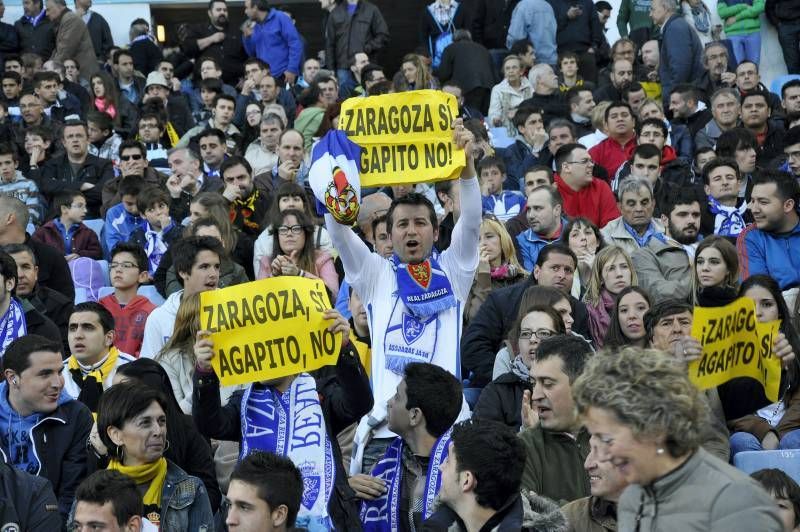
x=415, y=299
x=297, y=415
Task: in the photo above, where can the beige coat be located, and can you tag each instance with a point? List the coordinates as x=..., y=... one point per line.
x=73, y=42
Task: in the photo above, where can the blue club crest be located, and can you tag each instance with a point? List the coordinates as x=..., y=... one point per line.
x=412, y=328
x=311, y=484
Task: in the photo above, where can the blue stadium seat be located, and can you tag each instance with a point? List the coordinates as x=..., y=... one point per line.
x=779, y=82
x=96, y=225
x=106, y=277
x=787, y=461
x=149, y=291
x=104, y=291
x=80, y=295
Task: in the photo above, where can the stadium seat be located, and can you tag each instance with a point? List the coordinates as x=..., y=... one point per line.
x=80, y=295
x=96, y=225
x=787, y=461
x=149, y=291
x=106, y=275
x=779, y=82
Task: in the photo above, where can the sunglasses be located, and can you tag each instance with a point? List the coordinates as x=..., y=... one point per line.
x=136, y=157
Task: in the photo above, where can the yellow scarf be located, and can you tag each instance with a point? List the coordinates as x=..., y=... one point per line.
x=155, y=474
x=172, y=135
x=103, y=371
x=100, y=373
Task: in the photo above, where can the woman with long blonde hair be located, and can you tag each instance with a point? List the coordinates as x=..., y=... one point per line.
x=177, y=356
x=498, y=265
x=612, y=272
x=414, y=75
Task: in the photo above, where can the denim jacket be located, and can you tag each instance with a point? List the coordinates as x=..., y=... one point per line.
x=184, y=503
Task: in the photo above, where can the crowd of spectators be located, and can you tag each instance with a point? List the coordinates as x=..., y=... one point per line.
x=536, y=381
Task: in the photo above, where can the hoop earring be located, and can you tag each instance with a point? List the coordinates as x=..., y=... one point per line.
x=166, y=447
x=121, y=452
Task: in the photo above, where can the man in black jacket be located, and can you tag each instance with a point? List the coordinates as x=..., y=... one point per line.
x=53, y=270
x=98, y=28
x=76, y=170
x=216, y=39
x=555, y=266
x=469, y=64
x=343, y=393
x=579, y=31
x=785, y=15
x=28, y=501
x=50, y=429
x=350, y=31
x=35, y=30
x=51, y=304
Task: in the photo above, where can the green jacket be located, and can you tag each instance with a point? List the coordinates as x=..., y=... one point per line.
x=747, y=17
x=634, y=14
x=554, y=464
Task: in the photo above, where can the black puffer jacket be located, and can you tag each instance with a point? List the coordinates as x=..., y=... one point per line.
x=26, y=501
x=501, y=400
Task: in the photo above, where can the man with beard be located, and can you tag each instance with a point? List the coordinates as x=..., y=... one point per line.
x=216, y=39
x=545, y=224
x=664, y=268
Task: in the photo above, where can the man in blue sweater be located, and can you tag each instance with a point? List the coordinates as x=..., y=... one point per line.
x=271, y=36
x=772, y=245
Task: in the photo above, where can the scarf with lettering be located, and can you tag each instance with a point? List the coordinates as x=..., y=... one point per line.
x=383, y=513
x=12, y=325
x=732, y=217
x=291, y=424
x=644, y=239
x=153, y=474
x=423, y=287
x=90, y=379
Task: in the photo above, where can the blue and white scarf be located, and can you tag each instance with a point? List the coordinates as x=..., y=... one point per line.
x=423, y=287
x=644, y=239
x=423, y=291
x=292, y=425
x=154, y=247
x=732, y=217
x=383, y=514
x=12, y=325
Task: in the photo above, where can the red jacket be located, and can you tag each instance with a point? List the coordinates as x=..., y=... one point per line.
x=610, y=154
x=595, y=202
x=84, y=242
x=128, y=322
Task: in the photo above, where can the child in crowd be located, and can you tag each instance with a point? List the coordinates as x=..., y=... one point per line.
x=786, y=493
x=159, y=231
x=503, y=204
x=66, y=232
x=16, y=185
x=123, y=218
x=151, y=128
x=128, y=271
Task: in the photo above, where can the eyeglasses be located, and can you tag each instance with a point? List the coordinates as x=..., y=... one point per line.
x=253, y=113
x=582, y=162
x=79, y=206
x=123, y=265
x=283, y=230
x=541, y=334
x=137, y=157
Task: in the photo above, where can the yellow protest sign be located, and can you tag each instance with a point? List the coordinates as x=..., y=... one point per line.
x=268, y=329
x=735, y=345
x=406, y=137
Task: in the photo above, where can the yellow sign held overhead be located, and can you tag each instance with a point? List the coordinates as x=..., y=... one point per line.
x=268, y=329
x=735, y=344
x=406, y=137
